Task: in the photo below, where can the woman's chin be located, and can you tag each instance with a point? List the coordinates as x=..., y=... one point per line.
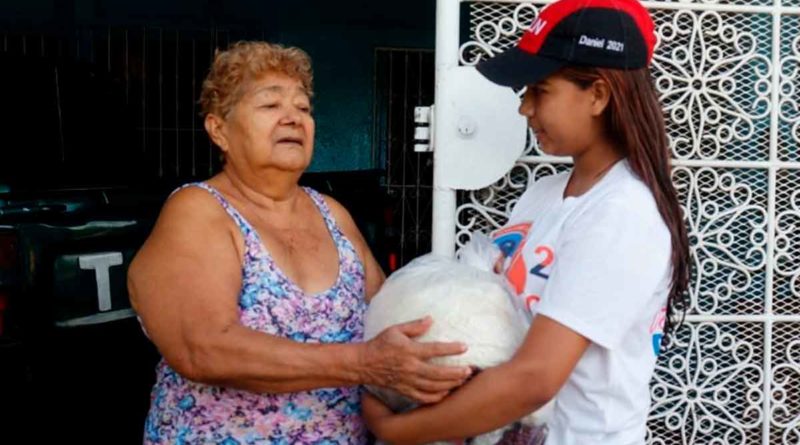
x=548, y=149
x=290, y=159
x=291, y=165
x=545, y=148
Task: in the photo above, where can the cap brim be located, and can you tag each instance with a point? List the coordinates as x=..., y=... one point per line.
x=515, y=68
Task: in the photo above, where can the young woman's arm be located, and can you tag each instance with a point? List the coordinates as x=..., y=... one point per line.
x=495, y=397
x=610, y=264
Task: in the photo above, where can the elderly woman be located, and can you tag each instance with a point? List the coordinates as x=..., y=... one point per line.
x=254, y=288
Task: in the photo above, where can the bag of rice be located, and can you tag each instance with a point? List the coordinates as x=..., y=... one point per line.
x=468, y=302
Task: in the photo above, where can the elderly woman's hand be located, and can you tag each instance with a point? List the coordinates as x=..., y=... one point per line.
x=394, y=360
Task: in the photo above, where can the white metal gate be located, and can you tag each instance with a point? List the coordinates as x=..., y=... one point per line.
x=728, y=73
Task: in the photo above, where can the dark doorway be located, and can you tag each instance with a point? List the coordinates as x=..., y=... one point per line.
x=404, y=79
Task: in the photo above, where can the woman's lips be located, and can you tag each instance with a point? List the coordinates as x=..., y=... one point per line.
x=292, y=141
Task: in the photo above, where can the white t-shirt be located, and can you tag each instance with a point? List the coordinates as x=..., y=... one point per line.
x=599, y=264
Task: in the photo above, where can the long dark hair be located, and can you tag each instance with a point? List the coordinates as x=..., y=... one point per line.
x=634, y=121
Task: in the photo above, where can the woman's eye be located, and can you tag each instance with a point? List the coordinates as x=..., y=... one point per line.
x=270, y=105
x=305, y=108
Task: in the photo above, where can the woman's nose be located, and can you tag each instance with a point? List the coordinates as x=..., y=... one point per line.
x=526, y=107
x=291, y=117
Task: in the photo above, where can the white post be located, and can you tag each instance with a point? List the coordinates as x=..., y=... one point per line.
x=443, y=230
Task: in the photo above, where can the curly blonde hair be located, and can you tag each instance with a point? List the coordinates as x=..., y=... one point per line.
x=245, y=62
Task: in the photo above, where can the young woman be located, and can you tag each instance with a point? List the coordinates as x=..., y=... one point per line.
x=599, y=254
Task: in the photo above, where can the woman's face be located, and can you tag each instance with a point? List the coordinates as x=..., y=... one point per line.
x=271, y=126
x=561, y=115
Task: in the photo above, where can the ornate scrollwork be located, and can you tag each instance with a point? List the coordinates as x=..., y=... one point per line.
x=700, y=69
x=789, y=105
x=784, y=409
x=716, y=208
x=786, y=263
x=493, y=33
x=488, y=209
x=708, y=389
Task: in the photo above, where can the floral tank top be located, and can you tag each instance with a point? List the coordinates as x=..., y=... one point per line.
x=187, y=412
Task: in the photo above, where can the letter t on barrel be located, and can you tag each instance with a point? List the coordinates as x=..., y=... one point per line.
x=101, y=262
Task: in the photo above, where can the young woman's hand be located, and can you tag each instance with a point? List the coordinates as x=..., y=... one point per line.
x=498, y=264
x=377, y=416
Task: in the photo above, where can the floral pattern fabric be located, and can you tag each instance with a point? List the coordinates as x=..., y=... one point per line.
x=187, y=412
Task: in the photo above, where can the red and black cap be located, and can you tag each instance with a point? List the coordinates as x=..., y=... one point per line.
x=600, y=33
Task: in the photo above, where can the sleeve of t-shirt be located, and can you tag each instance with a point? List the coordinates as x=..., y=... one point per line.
x=607, y=266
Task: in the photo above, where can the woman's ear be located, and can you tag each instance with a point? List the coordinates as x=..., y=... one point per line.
x=215, y=127
x=601, y=95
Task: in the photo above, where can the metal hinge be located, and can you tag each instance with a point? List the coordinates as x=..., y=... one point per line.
x=423, y=132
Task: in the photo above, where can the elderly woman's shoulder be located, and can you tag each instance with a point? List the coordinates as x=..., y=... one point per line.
x=338, y=211
x=342, y=217
x=192, y=204
x=191, y=224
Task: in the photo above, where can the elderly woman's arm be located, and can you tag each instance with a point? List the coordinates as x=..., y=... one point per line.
x=184, y=283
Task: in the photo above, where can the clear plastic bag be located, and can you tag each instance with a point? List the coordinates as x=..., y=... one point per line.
x=468, y=302
x=480, y=252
